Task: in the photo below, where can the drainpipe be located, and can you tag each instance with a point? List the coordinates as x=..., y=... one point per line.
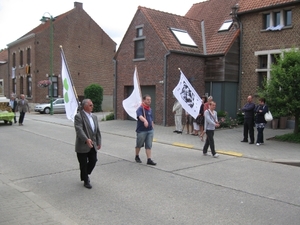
x=115, y=89
x=203, y=37
x=240, y=65
x=165, y=89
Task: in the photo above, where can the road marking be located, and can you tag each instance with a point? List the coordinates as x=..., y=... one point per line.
x=182, y=145
x=237, y=154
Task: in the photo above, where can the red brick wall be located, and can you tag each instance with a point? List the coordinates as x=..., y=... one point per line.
x=254, y=39
x=151, y=70
x=88, y=49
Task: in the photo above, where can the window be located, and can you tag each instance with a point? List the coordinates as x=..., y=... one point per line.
x=21, y=58
x=53, y=86
x=29, y=86
x=262, y=77
x=28, y=56
x=263, y=61
x=267, y=20
x=183, y=37
x=14, y=60
x=288, y=18
x=139, y=49
x=226, y=25
x=14, y=85
x=139, y=43
x=274, y=58
x=21, y=85
x=139, y=32
x=277, y=20
x=1, y=87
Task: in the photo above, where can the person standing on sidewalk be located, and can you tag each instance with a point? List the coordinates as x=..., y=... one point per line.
x=88, y=140
x=13, y=105
x=177, y=110
x=248, y=110
x=260, y=121
x=210, y=124
x=144, y=130
x=23, y=107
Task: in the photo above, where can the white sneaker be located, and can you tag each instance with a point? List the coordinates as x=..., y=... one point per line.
x=257, y=144
x=216, y=155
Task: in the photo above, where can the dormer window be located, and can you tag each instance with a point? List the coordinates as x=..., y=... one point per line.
x=183, y=37
x=226, y=25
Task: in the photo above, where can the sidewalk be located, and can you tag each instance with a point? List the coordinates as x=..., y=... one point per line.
x=20, y=206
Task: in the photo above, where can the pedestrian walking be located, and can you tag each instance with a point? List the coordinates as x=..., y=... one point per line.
x=210, y=124
x=23, y=107
x=177, y=110
x=88, y=140
x=144, y=130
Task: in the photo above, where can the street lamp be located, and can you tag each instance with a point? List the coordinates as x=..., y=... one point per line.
x=43, y=20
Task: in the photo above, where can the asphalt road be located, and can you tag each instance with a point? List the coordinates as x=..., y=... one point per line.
x=184, y=188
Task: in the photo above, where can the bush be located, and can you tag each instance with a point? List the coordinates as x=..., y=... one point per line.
x=110, y=116
x=295, y=138
x=95, y=93
x=225, y=121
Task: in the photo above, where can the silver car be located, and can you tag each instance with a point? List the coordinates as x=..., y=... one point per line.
x=58, y=107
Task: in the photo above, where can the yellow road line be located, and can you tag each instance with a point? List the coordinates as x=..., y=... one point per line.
x=237, y=154
x=182, y=145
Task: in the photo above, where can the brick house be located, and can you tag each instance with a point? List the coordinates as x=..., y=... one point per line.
x=88, y=49
x=208, y=55
x=3, y=72
x=268, y=28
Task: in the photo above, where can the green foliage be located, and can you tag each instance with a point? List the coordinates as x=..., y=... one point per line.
x=226, y=121
x=240, y=117
x=110, y=116
x=282, y=90
x=289, y=138
x=95, y=93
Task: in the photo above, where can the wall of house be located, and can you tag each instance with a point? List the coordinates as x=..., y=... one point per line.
x=151, y=71
x=256, y=39
x=3, y=75
x=88, y=49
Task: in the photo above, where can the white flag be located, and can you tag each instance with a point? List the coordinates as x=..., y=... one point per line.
x=71, y=103
x=132, y=103
x=187, y=96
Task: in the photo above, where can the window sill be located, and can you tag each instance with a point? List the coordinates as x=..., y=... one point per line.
x=139, y=59
x=284, y=28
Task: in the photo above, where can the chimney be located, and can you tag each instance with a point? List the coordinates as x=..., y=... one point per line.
x=78, y=5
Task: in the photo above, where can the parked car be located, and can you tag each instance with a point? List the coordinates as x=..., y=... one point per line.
x=58, y=107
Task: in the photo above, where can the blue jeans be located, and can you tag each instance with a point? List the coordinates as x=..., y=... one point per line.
x=144, y=137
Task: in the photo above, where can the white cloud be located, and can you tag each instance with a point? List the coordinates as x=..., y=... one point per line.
x=17, y=17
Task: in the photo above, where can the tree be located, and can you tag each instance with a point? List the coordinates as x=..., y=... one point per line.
x=282, y=90
x=95, y=93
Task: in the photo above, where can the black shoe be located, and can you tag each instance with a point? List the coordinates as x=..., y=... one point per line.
x=251, y=143
x=137, y=159
x=175, y=131
x=87, y=185
x=244, y=141
x=179, y=132
x=150, y=162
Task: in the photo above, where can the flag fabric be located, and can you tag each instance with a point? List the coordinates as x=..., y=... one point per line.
x=71, y=103
x=187, y=96
x=132, y=103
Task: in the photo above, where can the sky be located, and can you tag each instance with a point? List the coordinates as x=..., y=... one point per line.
x=17, y=17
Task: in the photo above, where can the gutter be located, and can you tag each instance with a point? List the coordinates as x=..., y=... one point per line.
x=115, y=89
x=165, y=89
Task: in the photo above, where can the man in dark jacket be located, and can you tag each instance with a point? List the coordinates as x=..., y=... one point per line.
x=248, y=110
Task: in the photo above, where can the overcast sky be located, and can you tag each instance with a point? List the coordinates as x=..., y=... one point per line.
x=17, y=17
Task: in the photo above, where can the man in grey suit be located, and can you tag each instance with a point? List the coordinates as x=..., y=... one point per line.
x=88, y=141
x=23, y=107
